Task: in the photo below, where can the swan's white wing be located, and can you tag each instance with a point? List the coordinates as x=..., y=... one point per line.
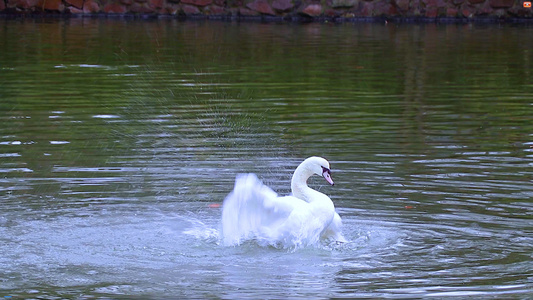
x=253, y=210
x=334, y=231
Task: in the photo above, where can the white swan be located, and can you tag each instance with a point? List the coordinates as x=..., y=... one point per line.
x=254, y=211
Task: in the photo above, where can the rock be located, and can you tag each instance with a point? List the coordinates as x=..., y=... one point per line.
x=435, y=3
x=216, y=10
x=55, y=5
x=414, y=7
x=366, y=9
x=23, y=4
x=451, y=12
x=343, y=3
x=197, y=2
x=2, y=5
x=403, y=5
x=76, y=3
x=141, y=8
x=190, y=10
x=261, y=6
x=247, y=12
x=282, y=5
x=115, y=8
x=521, y=11
x=156, y=4
x=458, y=2
x=221, y=3
x=501, y=3
x=90, y=7
x=384, y=8
x=126, y=2
x=74, y=10
x=476, y=1
x=467, y=11
x=432, y=12
x=333, y=13
x=170, y=9
x=312, y=10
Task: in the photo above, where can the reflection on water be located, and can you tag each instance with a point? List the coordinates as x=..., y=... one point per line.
x=118, y=140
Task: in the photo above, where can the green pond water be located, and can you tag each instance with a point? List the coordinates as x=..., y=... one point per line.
x=120, y=139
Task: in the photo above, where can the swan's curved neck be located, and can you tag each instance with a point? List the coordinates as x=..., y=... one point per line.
x=299, y=182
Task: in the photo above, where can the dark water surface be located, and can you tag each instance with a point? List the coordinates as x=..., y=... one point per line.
x=119, y=139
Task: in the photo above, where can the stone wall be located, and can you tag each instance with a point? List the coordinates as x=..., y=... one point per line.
x=281, y=9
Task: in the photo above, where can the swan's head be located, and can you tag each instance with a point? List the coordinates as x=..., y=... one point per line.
x=319, y=166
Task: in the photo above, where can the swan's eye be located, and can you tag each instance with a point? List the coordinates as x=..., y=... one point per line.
x=326, y=170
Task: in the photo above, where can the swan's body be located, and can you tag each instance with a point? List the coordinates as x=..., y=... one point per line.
x=254, y=211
